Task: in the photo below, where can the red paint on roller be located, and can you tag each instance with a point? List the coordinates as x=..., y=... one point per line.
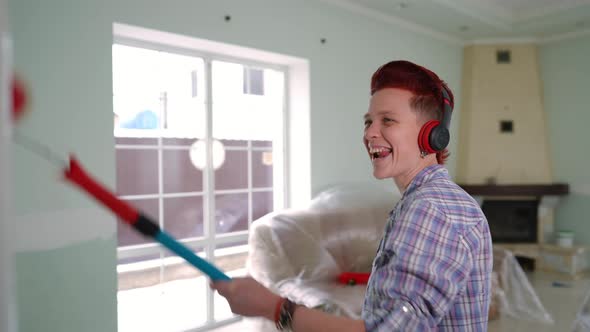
x=78, y=176
x=19, y=99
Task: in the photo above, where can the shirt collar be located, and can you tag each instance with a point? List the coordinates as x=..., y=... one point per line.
x=427, y=174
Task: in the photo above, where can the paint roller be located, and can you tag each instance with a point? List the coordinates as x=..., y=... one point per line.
x=78, y=176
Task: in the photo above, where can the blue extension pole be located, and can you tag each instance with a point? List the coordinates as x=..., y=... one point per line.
x=128, y=214
x=169, y=242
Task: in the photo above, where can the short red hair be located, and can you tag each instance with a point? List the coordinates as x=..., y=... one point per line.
x=423, y=83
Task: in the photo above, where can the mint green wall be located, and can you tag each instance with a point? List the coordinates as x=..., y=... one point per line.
x=63, y=53
x=565, y=71
x=340, y=69
x=62, y=289
x=63, y=50
x=66, y=281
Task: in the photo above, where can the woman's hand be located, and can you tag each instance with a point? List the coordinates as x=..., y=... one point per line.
x=247, y=297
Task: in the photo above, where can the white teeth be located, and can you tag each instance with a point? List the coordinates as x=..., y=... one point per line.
x=377, y=150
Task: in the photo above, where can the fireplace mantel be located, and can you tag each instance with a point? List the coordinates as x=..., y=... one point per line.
x=536, y=190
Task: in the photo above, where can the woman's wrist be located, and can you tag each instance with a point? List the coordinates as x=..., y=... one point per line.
x=274, y=308
x=285, y=315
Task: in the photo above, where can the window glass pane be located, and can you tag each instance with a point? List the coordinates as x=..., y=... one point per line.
x=179, y=174
x=166, y=141
x=183, y=108
x=262, y=204
x=157, y=93
x=183, y=216
x=136, y=115
x=253, y=81
x=256, y=81
x=262, y=169
x=242, y=116
x=129, y=70
x=136, y=92
x=257, y=144
x=137, y=171
x=233, y=142
x=135, y=141
x=233, y=174
x=126, y=234
x=231, y=213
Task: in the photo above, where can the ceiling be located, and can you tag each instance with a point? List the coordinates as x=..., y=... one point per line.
x=480, y=20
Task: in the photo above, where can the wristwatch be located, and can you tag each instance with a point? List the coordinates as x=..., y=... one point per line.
x=285, y=319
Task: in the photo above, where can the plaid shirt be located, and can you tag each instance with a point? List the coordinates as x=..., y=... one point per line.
x=433, y=266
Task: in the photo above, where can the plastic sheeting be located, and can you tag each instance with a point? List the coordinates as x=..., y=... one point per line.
x=356, y=196
x=512, y=292
x=300, y=253
x=582, y=322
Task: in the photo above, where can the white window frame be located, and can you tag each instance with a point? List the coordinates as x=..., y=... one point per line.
x=297, y=101
x=209, y=172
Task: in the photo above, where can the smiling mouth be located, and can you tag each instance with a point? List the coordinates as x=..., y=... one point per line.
x=379, y=153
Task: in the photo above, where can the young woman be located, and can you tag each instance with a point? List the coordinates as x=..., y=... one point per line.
x=433, y=266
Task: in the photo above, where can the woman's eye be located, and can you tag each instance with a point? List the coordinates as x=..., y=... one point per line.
x=387, y=120
x=367, y=123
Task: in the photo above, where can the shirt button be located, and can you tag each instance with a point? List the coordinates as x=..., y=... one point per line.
x=404, y=309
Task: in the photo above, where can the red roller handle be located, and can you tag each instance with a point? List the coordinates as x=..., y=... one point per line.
x=78, y=176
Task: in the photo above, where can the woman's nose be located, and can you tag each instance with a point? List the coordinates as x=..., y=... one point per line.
x=371, y=131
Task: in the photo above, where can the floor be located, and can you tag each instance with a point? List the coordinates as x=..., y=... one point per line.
x=561, y=298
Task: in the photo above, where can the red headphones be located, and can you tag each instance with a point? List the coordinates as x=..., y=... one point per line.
x=434, y=135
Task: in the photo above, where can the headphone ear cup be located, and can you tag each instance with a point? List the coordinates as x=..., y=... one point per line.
x=439, y=138
x=424, y=141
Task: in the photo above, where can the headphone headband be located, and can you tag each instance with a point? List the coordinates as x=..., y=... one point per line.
x=447, y=108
